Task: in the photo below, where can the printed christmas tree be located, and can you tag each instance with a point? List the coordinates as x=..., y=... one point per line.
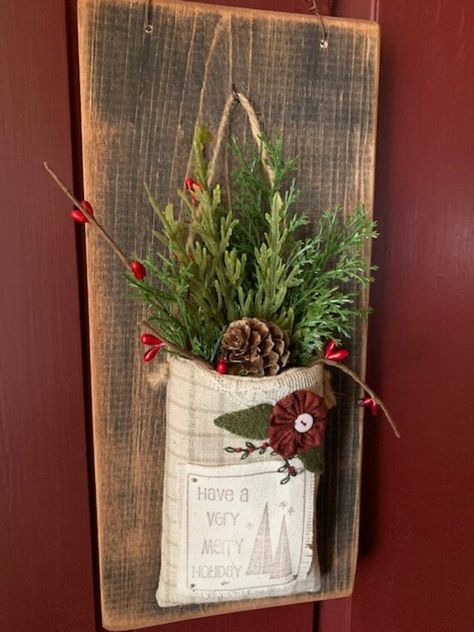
x=261, y=560
x=282, y=566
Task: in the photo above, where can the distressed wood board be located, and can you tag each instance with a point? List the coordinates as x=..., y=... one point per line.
x=142, y=95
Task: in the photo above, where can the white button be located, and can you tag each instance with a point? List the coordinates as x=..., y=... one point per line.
x=303, y=422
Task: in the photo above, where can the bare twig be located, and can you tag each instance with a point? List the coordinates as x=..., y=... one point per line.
x=367, y=389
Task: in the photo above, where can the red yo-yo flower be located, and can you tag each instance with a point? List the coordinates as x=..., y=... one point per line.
x=297, y=423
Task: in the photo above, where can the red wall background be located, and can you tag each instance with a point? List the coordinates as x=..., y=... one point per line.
x=417, y=530
x=417, y=521
x=416, y=555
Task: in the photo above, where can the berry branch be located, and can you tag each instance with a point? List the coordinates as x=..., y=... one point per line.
x=174, y=348
x=85, y=216
x=367, y=389
x=332, y=357
x=90, y=218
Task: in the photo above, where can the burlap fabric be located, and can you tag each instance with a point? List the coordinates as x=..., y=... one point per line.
x=195, y=397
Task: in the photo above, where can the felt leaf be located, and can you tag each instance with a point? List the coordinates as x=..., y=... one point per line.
x=313, y=459
x=251, y=423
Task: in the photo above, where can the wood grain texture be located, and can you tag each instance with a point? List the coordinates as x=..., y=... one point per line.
x=141, y=98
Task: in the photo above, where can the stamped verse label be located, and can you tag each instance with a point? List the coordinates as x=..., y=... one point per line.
x=242, y=529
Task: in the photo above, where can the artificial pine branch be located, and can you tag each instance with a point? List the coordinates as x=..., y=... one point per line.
x=324, y=307
x=193, y=292
x=221, y=264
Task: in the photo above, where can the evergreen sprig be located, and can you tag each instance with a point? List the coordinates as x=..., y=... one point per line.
x=221, y=263
x=324, y=306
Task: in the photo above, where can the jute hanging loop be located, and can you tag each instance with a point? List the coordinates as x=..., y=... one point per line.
x=238, y=98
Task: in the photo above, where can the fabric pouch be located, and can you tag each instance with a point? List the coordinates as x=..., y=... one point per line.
x=230, y=528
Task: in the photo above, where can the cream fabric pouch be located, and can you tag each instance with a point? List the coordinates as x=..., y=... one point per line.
x=230, y=529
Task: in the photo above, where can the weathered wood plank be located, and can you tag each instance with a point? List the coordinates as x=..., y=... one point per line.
x=142, y=95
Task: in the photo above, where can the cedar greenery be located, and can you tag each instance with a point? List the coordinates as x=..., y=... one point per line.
x=225, y=262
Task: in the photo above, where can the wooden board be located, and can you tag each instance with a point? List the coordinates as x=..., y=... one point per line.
x=142, y=95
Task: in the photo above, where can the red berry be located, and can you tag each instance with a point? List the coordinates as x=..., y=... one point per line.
x=151, y=353
x=221, y=366
x=372, y=404
x=138, y=270
x=78, y=216
x=150, y=339
x=338, y=356
x=369, y=402
x=192, y=186
x=329, y=348
x=88, y=206
x=374, y=408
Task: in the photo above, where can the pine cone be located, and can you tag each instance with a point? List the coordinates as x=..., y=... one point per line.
x=255, y=347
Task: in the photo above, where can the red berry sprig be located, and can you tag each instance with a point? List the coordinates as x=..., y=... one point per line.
x=84, y=214
x=137, y=268
x=333, y=353
x=333, y=357
x=155, y=343
x=369, y=402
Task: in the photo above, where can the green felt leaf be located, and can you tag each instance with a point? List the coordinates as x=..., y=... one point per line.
x=251, y=423
x=313, y=459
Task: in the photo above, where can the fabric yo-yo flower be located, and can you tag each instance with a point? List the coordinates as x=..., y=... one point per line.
x=297, y=423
